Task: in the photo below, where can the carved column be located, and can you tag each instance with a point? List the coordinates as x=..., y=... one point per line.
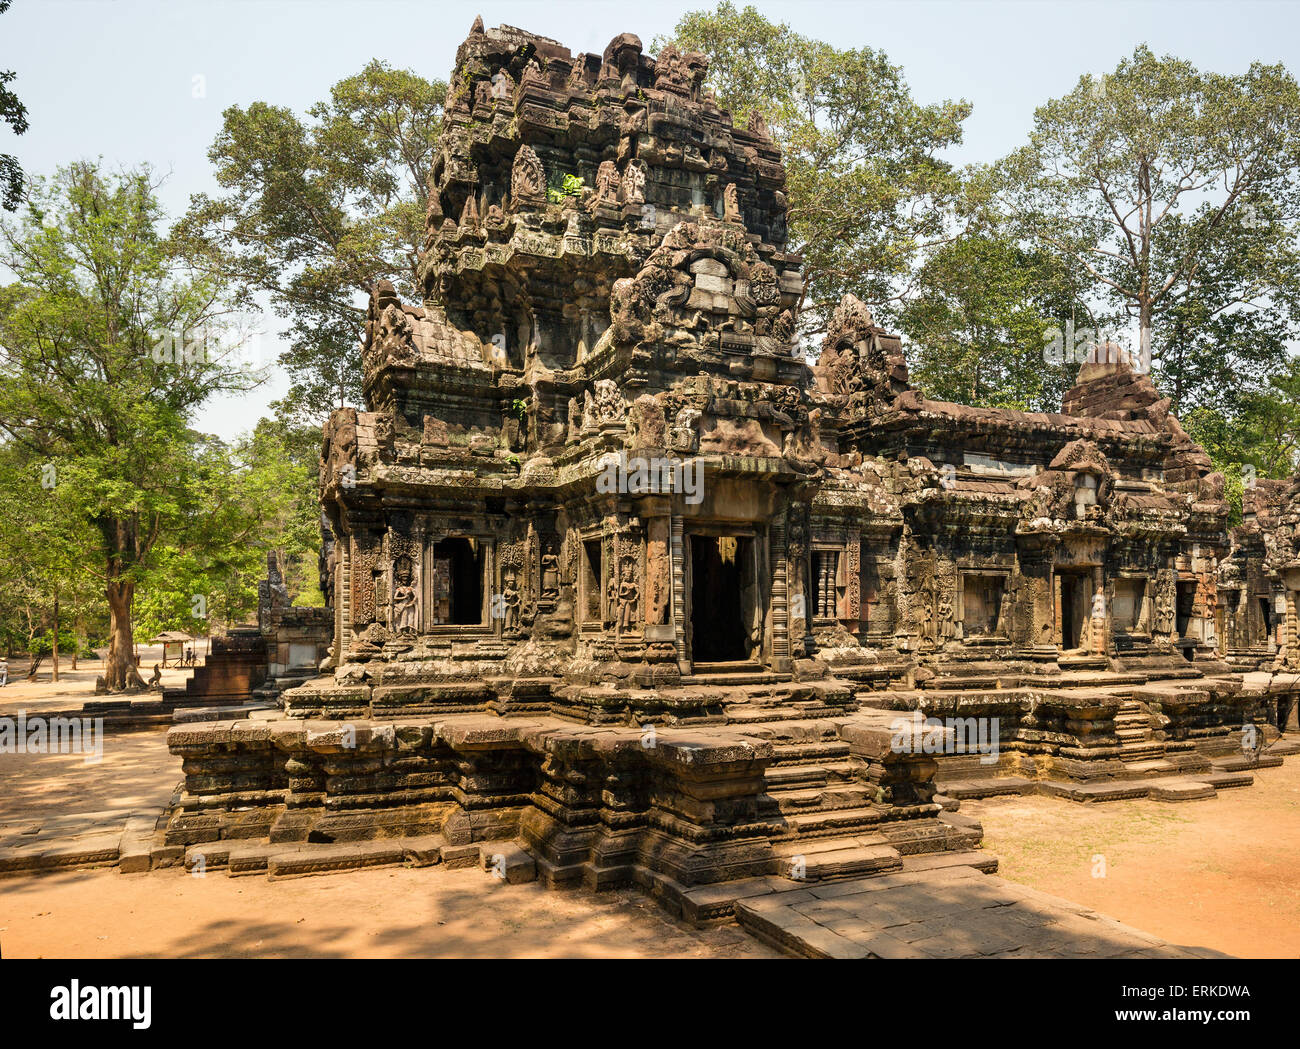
x=678, y=594
x=780, y=598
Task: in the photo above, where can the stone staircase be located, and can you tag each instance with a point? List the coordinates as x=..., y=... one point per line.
x=1137, y=738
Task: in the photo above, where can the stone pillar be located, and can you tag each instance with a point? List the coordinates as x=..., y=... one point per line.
x=1100, y=624
x=780, y=610
x=678, y=593
x=1289, y=636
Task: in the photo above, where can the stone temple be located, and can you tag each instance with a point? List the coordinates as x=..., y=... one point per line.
x=622, y=582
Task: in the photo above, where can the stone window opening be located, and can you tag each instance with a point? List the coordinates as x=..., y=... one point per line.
x=1264, y=633
x=592, y=581
x=1128, y=605
x=456, y=597
x=1186, y=603
x=981, y=604
x=825, y=566
x=1074, y=605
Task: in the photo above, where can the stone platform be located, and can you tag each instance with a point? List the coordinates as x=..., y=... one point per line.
x=956, y=912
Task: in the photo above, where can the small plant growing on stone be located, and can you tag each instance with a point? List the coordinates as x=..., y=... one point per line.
x=570, y=186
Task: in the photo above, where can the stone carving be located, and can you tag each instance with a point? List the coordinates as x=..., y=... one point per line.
x=633, y=185
x=607, y=184
x=406, y=601
x=648, y=427
x=685, y=434
x=730, y=204
x=1165, y=605
x=469, y=213
x=511, y=601
x=550, y=564
x=629, y=594
x=608, y=402
x=527, y=180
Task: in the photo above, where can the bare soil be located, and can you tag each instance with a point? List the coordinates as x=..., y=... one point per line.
x=1222, y=873
x=391, y=913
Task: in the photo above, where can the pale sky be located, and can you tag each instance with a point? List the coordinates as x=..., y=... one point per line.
x=119, y=79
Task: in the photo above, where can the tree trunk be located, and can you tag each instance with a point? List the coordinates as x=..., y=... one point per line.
x=121, y=647
x=54, y=676
x=1144, y=336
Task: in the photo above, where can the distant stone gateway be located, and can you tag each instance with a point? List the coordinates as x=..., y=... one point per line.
x=688, y=684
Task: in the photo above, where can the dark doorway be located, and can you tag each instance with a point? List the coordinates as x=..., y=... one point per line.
x=718, y=576
x=457, y=582
x=592, y=581
x=1265, y=620
x=1074, y=609
x=1186, y=601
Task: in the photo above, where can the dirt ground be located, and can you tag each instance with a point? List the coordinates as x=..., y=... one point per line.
x=427, y=912
x=391, y=913
x=1222, y=873
x=75, y=687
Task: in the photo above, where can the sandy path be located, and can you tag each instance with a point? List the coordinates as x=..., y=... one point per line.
x=1222, y=873
x=395, y=913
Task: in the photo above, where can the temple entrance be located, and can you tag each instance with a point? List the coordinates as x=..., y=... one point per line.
x=1186, y=604
x=721, y=589
x=1074, y=595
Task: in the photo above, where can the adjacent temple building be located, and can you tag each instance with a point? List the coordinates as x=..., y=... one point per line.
x=618, y=575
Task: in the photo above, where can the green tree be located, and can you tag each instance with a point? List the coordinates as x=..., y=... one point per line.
x=46, y=586
x=110, y=342
x=13, y=113
x=262, y=498
x=316, y=211
x=1175, y=192
x=869, y=195
x=980, y=311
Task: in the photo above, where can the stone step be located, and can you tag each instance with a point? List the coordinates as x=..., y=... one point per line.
x=733, y=680
x=933, y=861
x=827, y=800
x=1246, y=763
x=244, y=857
x=1180, y=790
x=949, y=912
x=991, y=787
x=1109, y=790
x=1222, y=780
x=848, y=861
x=815, y=751
x=1149, y=767
x=794, y=777
x=1082, y=662
x=326, y=859
x=507, y=862
x=833, y=821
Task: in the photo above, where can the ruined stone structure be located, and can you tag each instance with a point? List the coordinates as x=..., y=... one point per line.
x=297, y=637
x=618, y=574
